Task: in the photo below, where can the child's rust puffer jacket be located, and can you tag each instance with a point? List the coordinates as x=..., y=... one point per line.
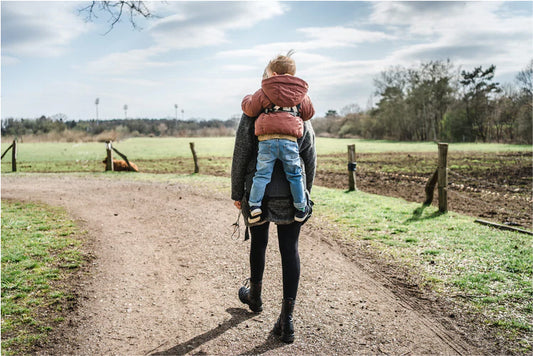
x=283, y=91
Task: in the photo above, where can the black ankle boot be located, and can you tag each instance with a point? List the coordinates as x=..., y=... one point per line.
x=284, y=326
x=252, y=296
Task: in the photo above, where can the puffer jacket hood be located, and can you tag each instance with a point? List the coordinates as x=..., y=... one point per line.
x=285, y=90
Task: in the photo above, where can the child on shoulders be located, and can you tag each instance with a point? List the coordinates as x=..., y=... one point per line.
x=282, y=105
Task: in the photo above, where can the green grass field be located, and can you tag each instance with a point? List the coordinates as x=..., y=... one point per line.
x=169, y=147
x=39, y=252
x=87, y=157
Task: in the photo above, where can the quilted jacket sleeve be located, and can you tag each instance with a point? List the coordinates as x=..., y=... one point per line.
x=253, y=105
x=306, y=109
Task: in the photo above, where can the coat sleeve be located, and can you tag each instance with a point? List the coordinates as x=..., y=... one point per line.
x=242, y=154
x=252, y=105
x=306, y=109
x=308, y=154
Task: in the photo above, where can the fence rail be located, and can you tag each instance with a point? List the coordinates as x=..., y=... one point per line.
x=13, y=148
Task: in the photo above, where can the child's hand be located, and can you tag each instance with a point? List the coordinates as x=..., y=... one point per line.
x=237, y=204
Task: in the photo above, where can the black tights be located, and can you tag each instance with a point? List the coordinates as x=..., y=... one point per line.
x=288, y=247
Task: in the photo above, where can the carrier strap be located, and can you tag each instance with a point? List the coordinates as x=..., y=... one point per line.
x=294, y=110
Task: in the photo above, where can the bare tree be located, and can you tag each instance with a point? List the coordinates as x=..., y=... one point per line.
x=525, y=79
x=115, y=11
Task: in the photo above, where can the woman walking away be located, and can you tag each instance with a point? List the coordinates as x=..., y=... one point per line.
x=277, y=207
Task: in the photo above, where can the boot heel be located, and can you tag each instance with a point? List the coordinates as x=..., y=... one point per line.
x=252, y=296
x=284, y=327
x=287, y=338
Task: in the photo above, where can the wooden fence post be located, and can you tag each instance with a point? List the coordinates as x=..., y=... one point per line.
x=109, y=160
x=14, y=156
x=443, y=177
x=351, y=168
x=196, y=168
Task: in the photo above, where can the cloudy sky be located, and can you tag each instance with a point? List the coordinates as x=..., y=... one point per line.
x=205, y=56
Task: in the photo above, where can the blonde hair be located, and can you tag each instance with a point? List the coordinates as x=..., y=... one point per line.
x=283, y=64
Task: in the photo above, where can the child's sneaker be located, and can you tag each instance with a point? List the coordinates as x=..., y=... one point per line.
x=301, y=215
x=255, y=214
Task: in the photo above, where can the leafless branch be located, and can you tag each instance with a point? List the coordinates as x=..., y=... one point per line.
x=116, y=10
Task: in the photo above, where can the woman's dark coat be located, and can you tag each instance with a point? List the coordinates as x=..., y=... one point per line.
x=277, y=204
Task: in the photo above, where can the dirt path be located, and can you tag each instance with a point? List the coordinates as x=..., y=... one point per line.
x=166, y=275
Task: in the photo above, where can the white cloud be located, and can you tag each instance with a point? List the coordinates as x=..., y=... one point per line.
x=339, y=36
x=199, y=24
x=325, y=73
x=420, y=16
x=8, y=60
x=471, y=33
x=315, y=39
x=134, y=82
x=39, y=28
x=186, y=25
x=238, y=68
x=137, y=60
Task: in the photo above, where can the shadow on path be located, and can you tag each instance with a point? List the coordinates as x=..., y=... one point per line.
x=271, y=343
x=238, y=315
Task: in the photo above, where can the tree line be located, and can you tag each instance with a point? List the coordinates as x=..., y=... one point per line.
x=121, y=128
x=435, y=101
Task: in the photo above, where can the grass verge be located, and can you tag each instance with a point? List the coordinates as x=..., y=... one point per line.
x=40, y=251
x=488, y=270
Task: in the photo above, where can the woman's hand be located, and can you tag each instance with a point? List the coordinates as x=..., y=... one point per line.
x=237, y=204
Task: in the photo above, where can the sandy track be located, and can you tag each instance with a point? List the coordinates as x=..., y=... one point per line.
x=166, y=273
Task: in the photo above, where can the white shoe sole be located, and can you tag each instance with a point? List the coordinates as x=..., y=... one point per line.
x=252, y=220
x=300, y=219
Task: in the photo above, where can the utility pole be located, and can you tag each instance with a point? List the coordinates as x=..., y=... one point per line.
x=96, y=102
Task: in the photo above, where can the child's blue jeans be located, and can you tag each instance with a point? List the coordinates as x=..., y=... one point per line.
x=288, y=153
